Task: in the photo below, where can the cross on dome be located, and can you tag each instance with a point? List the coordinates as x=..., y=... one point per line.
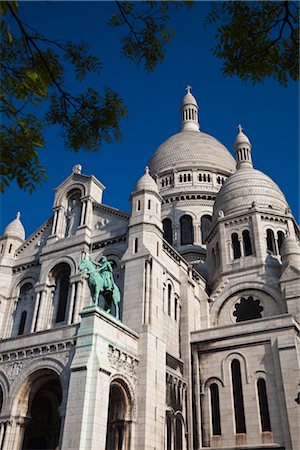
x=240, y=128
x=18, y=215
x=188, y=89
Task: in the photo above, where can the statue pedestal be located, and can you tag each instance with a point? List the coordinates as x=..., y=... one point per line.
x=91, y=376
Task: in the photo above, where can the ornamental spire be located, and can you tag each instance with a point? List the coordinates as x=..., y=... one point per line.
x=189, y=111
x=242, y=148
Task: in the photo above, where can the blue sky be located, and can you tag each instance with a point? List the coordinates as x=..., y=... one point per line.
x=268, y=112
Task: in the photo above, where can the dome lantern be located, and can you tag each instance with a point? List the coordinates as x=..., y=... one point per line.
x=242, y=148
x=189, y=112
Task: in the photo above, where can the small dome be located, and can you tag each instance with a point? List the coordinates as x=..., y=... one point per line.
x=290, y=251
x=146, y=182
x=189, y=149
x=189, y=99
x=15, y=229
x=249, y=187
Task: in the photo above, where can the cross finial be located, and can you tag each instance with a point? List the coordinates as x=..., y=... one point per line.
x=240, y=129
x=18, y=215
x=147, y=169
x=188, y=89
x=77, y=168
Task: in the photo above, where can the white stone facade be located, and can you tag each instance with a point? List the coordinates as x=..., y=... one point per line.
x=206, y=354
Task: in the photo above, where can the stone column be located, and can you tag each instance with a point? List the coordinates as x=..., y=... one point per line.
x=71, y=301
x=88, y=396
x=12, y=306
x=61, y=222
x=13, y=433
x=40, y=316
x=78, y=301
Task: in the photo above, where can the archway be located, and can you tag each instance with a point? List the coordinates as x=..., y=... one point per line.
x=43, y=427
x=118, y=422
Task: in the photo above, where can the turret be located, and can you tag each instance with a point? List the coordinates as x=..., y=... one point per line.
x=12, y=238
x=189, y=112
x=242, y=147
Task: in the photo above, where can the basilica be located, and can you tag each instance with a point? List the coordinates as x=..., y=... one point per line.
x=172, y=327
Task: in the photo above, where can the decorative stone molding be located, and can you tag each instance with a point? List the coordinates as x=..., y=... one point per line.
x=122, y=361
x=110, y=210
x=25, y=266
x=219, y=290
x=108, y=242
x=14, y=357
x=14, y=369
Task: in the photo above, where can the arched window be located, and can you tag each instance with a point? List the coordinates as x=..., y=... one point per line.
x=60, y=277
x=280, y=239
x=208, y=178
x=238, y=399
x=138, y=205
x=263, y=405
x=186, y=230
x=63, y=298
x=200, y=177
x=168, y=234
x=247, y=243
x=236, y=247
x=1, y=398
x=178, y=433
x=215, y=409
x=271, y=241
x=22, y=323
x=169, y=298
x=205, y=226
x=169, y=431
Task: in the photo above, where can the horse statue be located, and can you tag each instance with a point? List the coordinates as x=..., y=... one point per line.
x=100, y=281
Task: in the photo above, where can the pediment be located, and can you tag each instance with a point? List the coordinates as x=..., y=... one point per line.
x=33, y=245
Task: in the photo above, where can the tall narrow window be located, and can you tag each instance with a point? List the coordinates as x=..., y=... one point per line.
x=63, y=289
x=169, y=298
x=214, y=258
x=169, y=432
x=167, y=226
x=247, y=243
x=271, y=242
x=215, y=409
x=205, y=227
x=217, y=255
x=135, y=245
x=149, y=204
x=238, y=400
x=263, y=405
x=175, y=308
x=138, y=205
x=236, y=247
x=22, y=323
x=186, y=229
x=280, y=238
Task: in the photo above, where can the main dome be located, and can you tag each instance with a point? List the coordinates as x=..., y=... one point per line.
x=189, y=149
